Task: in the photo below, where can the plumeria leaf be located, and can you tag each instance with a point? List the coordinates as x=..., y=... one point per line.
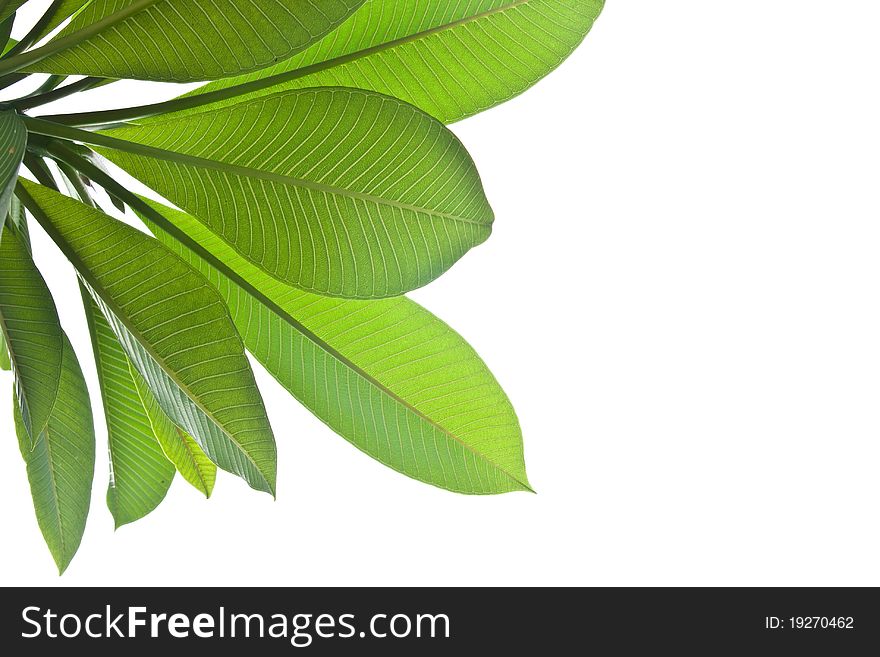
x=387, y=375
x=452, y=59
x=340, y=192
x=187, y=40
x=174, y=328
x=32, y=332
x=61, y=462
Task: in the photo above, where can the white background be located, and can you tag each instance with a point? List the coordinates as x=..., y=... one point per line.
x=680, y=297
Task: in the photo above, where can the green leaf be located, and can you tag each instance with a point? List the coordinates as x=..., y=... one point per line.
x=452, y=59
x=340, y=192
x=61, y=463
x=178, y=446
x=6, y=32
x=13, y=137
x=65, y=10
x=9, y=7
x=4, y=354
x=140, y=475
x=174, y=328
x=29, y=322
x=186, y=40
x=386, y=375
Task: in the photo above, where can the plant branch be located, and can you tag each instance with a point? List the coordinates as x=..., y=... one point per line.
x=37, y=98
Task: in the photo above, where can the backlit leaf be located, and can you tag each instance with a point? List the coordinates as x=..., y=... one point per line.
x=387, y=375
x=61, y=462
x=452, y=59
x=29, y=322
x=174, y=328
x=188, y=40
x=140, y=475
x=340, y=192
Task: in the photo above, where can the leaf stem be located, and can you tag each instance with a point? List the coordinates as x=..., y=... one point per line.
x=36, y=31
x=14, y=64
x=41, y=97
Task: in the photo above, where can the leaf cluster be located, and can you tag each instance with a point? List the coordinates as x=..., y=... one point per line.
x=308, y=185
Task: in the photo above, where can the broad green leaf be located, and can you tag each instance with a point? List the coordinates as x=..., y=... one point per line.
x=386, y=375
x=189, y=40
x=33, y=334
x=174, y=328
x=140, y=475
x=177, y=445
x=13, y=141
x=9, y=45
x=452, y=59
x=61, y=462
x=340, y=192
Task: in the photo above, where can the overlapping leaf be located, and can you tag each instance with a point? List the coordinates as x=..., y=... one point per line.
x=65, y=9
x=4, y=354
x=29, y=322
x=140, y=475
x=9, y=7
x=452, y=59
x=338, y=191
x=188, y=40
x=13, y=140
x=179, y=447
x=387, y=375
x=61, y=462
x=174, y=328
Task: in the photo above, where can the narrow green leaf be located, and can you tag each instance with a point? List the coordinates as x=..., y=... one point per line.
x=187, y=40
x=6, y=32
x=61, y=463
x=65, y=10
x=140, y=475
x=4, y=354
x=177, y=445
x=386, y=375
x=13, y=141
x=174, y=328
x=452, y=59
x=29, y=322
x=340, y=192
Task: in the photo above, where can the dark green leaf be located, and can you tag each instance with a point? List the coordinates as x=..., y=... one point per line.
x=29, y=322
x=188, y=40
x=9, y=7
x=140, y=475
x=387, y=375
x=340, y=192
x=6, y=32
x=13, y=141
x=452, y=59
x=61, y=462
x=174, y=328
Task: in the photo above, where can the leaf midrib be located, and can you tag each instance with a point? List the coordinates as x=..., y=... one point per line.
x=200, y=250
x=50, y=129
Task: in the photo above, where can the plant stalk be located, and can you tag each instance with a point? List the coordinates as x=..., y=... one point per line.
x=36, y=31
